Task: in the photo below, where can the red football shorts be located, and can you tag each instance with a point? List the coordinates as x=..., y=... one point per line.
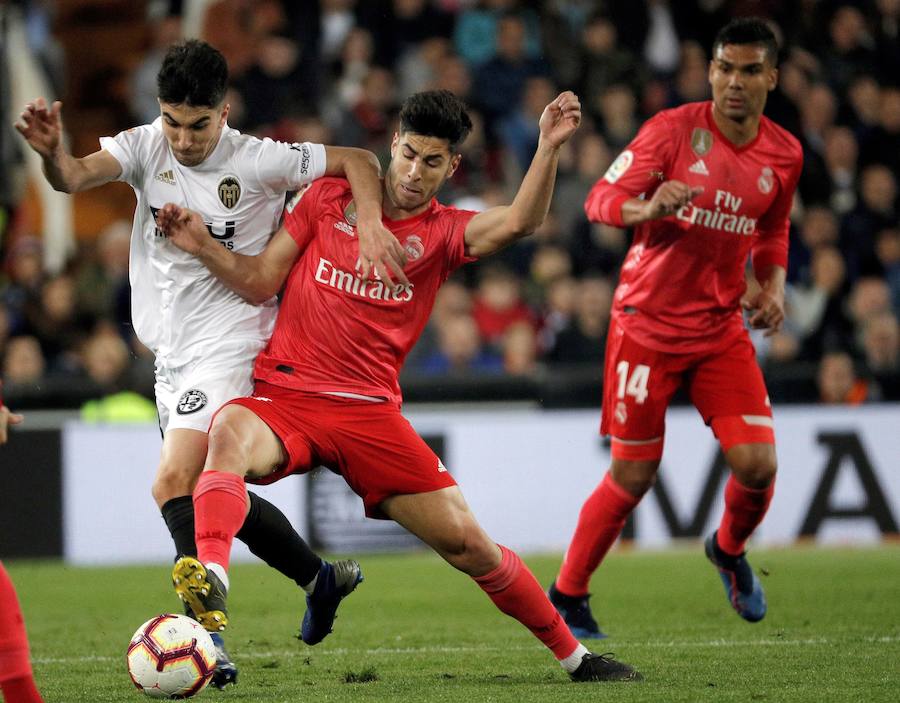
x=726, y=386
x=371, y=445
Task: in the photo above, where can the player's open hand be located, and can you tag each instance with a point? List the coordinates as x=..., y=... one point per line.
x=380, y=254
x=560, y=119
x=41, y=126
x=767, y=309
x=184, y=228
x=7, y=418
x=669, y=198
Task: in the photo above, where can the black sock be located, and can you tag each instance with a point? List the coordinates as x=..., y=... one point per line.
x=179, y=516
x=271, y=537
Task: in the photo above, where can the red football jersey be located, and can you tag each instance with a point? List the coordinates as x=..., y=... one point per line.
x=683, y=277
x=335, y=332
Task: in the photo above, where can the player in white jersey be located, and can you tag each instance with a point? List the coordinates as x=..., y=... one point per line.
x=205, y=337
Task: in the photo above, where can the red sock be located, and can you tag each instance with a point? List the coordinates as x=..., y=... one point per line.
x=20, y=690
x=15, y=665
x=745, y=508
x=602, y=518
x=220, y=506
x=517, y=593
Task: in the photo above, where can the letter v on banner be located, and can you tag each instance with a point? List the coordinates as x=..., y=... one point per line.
x=695, y=524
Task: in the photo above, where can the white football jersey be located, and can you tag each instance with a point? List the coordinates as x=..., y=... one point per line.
x=179, y=309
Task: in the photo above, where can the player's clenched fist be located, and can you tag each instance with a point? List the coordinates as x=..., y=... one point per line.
x=560, y=119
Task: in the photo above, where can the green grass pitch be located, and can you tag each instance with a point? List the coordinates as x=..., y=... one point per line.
x=416, y=630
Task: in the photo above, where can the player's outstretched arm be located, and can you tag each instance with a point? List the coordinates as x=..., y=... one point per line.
x=379, y=250
x=498, y=227
x=255, y=278
x=42, y=129
x=7, y=418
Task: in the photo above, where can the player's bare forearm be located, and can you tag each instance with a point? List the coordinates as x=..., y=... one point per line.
x=379, y=250
x=498, y=227
x=251, y=277
x=667, y=199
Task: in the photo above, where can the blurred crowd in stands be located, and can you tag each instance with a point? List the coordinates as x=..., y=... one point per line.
x=335, y=71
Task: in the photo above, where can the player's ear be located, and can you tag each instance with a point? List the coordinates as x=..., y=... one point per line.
x=773, y=78
x=454, y=164
x=225, y=111
x=394, y=142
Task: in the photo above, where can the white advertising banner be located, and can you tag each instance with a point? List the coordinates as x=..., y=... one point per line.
x=109, y=515
x=525, y=474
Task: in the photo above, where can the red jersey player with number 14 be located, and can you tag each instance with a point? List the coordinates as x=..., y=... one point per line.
x=704, y=185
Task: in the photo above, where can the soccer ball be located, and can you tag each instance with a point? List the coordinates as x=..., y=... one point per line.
x=171, y=656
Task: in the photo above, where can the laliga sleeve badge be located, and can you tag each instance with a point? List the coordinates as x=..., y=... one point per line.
x=618, y=167
x=192, y=401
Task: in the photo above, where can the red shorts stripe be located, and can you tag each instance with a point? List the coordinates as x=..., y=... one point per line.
x=743, y=429
x=639, y=382
x=371, y=445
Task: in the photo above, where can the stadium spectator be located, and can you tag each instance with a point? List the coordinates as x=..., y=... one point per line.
x=876, y=210
x=881, y=343
x=459, y=349
x=839, y=383
x=23, y=361
x=498, y=303
x=500, y=82
x=583, y=339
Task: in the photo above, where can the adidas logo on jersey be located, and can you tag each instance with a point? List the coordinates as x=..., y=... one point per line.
x=167, y=177
x=699, y=167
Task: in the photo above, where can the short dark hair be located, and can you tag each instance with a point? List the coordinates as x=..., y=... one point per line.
x=436, y=113
x=748, y=30
x=192, y=73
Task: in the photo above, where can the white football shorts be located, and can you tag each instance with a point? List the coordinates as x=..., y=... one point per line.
x=187, y=397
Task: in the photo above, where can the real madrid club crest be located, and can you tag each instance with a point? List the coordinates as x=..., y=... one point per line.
x=766, y=180
x=229, y=191
x=414, y=247
x=192, y=401
x=350, y=213
x=701, y=141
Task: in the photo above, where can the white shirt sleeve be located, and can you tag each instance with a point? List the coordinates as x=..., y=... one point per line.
x=283, y=167
x=126, y=149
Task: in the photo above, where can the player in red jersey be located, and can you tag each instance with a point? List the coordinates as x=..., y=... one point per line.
x=326, y=385
x=703, y=185
x=16, y=680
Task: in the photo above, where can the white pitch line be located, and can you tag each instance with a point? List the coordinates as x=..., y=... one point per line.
x=291, y=653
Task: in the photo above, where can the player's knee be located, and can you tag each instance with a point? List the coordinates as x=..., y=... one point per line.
x=754, y=465
x=173, y=480
x=466, y=548
x=636, y=477
x=228, y=437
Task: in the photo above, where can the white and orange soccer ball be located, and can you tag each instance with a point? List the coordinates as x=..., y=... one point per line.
x=171, y=656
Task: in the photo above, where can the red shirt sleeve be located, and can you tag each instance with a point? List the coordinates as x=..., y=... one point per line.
x=639, y=169
x=771, y=249
x=300, y=216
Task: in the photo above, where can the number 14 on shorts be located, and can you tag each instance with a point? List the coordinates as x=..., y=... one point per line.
x=633, y=384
